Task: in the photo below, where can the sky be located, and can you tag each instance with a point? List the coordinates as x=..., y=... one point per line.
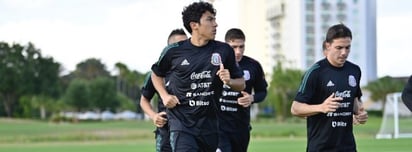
x=134, y=32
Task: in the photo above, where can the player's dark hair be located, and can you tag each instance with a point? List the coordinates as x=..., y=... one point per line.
x=194, y=12
x=178, y=31
x=234, y=33
x=338, y=31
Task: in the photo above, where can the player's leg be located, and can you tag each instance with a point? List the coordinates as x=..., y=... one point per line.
x=183, y=142
x=240, y=141
x=224, y=142
x=164, y=141
x=208, y=142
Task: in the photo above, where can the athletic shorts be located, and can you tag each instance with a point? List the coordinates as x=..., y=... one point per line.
x=163, y=139
x=233, y=142
x=185, y=142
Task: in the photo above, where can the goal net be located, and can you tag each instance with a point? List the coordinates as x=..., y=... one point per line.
x=397, y=119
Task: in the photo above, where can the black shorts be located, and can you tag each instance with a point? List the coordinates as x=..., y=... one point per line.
x=185, y=142
x=163, y=139
x=237, y=142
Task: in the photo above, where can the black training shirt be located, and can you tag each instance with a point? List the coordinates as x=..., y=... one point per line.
x=331, y=131
x=232, y=116
x=194, y=82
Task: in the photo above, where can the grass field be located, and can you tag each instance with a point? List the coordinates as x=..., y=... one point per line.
x=136, y=136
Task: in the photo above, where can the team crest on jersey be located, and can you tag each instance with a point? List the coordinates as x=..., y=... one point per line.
x=352, y=81
x=246, y=75
x=216, y=59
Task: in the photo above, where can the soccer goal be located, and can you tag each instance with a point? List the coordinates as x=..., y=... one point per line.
x=397, y=119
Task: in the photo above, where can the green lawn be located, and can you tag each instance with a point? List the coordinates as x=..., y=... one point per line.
x=137, y=136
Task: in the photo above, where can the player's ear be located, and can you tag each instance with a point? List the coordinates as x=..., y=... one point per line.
x=328, y=45
x=193, y=25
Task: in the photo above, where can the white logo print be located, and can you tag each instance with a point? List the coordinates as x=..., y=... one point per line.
x=216, y=60
x=330, y=84
x=352, y=81
x=246, y=75
x=185, y=62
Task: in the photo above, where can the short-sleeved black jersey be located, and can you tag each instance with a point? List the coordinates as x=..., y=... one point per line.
x=148, y=92
x=232, y=116
x=331, y=131
x=194, y=82
x=407, y=94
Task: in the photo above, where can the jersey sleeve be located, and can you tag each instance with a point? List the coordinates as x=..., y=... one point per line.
x=359, y=92
x=260, y=86
x=407, y=94
x=163, y=65
x=231, y=64
x=308, y=85
x=148, y=89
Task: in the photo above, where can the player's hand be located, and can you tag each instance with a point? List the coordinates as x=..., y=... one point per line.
x=170, y=101
x=361, y=117
x=246, y=100
x=330, y=104
x=224, y=74
x=160, y=119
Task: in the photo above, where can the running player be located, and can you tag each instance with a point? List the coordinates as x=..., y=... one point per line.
x=198, y=69
x=329, y=95
x=234, y=106
x=159, y=118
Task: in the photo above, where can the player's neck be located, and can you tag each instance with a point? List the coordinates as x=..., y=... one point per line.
x=198, y=41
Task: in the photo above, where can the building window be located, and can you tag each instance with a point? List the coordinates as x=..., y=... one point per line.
x=275, y=24
x=341, y=17
x=325, y=5
x=310, y=18
x=325, y=28
x=341, y=6
x=310, y=40
x=310, y=29
x=276, y=36
x=326, y=17
x=276, y=46
x=310, y=7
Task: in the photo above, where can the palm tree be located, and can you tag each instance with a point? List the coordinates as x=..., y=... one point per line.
x=282, y=89
x=382, y=87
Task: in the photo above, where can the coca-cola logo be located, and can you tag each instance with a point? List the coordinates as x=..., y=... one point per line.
x=201, y=75
x=344, y=94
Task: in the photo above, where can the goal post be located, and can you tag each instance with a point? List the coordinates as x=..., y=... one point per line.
x=396, y=119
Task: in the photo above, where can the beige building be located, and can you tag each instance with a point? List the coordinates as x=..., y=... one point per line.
x=292, y=31
x=250, y=16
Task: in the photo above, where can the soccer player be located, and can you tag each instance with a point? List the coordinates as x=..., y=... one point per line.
x=148, y=91
x=329, y=95
x=198, y=69
x=234, y=106
x=407, y=94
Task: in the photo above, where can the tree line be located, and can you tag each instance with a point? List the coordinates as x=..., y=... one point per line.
x=31, y=86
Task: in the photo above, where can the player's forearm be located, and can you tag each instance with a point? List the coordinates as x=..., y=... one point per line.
x=356, y=106
x=237, y=84
x=304, y=110
x=147, y=107
x=159, y=84
x=259, y=96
